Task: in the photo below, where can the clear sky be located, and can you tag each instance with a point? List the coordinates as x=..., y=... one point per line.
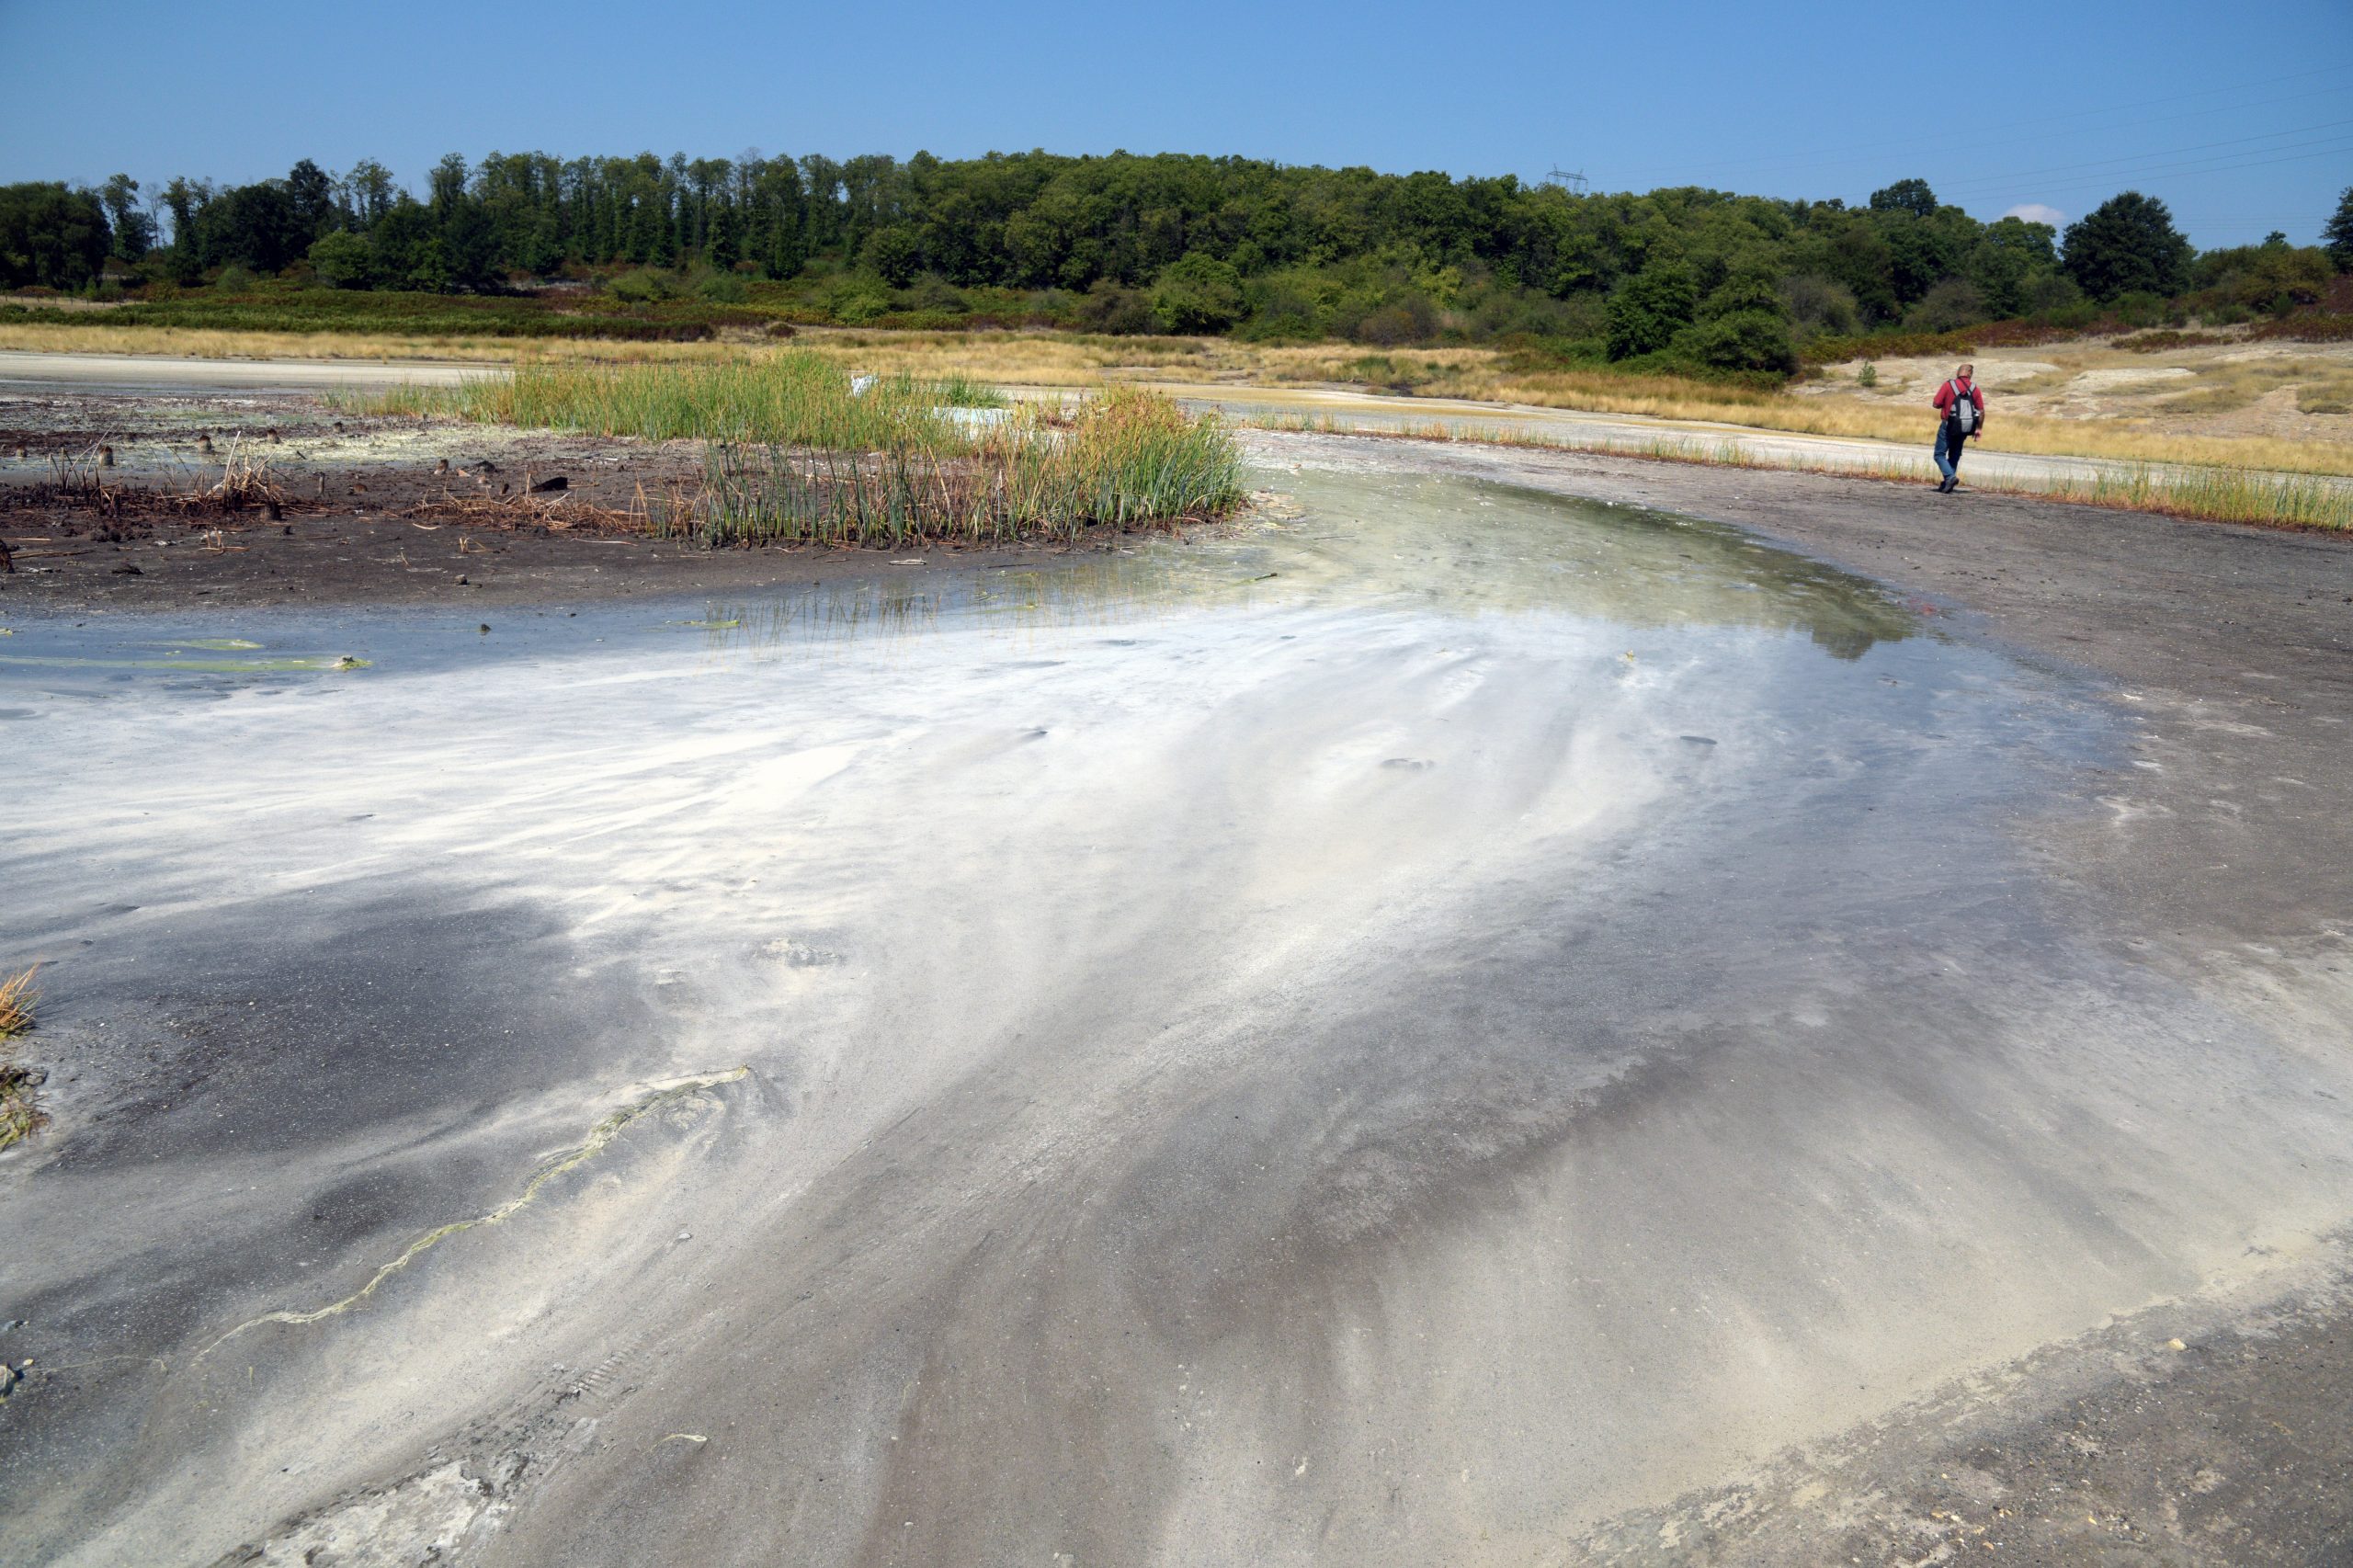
x=2239, y=116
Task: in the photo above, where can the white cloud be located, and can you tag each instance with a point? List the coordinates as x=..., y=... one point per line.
x=2036, y=213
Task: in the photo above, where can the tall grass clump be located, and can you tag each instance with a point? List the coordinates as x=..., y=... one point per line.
x=1127, y=460
x=2217, y=495
x=792, y=399
x=19, y=1115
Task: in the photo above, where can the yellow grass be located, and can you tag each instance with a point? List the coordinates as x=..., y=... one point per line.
x=2210, y=493
x=1061, y=359
x=17, y=999
x=20, y=1115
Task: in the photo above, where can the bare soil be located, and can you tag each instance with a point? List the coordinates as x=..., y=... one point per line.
x=349, y=510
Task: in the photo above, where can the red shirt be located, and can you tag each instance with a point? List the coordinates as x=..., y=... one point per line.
x=1945, y=395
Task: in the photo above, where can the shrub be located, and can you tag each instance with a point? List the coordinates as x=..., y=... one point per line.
x=1197, y=293
x=1409, y=319
x=343, y=260
x=1647, y=310
x=1951, y=305
x=642, y=287
x=1111, y=308
x=1820, y=304
x=723, y=288
x=1746, y=340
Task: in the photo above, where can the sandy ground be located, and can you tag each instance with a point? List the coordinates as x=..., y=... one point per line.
x=1524, y=1008
x=34, y=379
x=2235, y=386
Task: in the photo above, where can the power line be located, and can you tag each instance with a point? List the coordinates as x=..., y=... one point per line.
x=2337, y=147
x=1855, y=151
x=2138, y=158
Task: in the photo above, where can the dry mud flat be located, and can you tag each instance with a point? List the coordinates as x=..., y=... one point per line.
x=1495, y=1021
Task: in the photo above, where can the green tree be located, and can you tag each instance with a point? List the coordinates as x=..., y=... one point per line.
x=1744, y=340
x=2337, y=235
x=1647, y=310
x=310, y=193
x=2127, y=244
x=134, y=231
x=342, y=259
x=50, y=236
x=895, y=253
x=1911, y=196
x=1197, y=293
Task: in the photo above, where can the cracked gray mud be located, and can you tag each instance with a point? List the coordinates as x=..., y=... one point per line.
x=1442, y=1028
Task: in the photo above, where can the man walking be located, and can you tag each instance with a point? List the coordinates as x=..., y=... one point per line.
x=1960, y=408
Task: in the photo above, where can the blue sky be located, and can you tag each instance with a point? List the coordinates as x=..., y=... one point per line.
x=2240, y=117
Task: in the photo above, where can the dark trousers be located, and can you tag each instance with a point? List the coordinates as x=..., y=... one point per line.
x=1950, y=441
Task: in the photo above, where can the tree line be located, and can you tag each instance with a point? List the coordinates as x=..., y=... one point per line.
x=1169, y=243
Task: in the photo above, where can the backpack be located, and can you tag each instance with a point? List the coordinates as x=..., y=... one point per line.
x=1963, y=411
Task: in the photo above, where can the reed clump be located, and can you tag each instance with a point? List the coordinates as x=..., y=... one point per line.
x=1126, y=460
x=795, y=399
x=20, y=1115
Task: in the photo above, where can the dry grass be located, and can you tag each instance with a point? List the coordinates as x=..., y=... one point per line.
x=17, y=999
x=20, y=1115
x=1128, y=458
x=1480, y=375
x=2203, y=493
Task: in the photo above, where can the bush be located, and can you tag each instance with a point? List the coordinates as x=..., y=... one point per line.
x=343, y=260
x=855, y=300
x=1746, y=340
x=1951, y=305
x=235, y=278
x=1409, y=319
x=1110, y=308
x=723, y=288
x=642, y=287
x=1820, y=304
x=1647, y=310
x=1197, y=293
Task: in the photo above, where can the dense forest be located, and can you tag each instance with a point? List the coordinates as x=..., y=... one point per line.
x=1676, y=278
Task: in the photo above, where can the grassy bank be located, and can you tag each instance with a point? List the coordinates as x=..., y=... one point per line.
x=2204, y=492
x=804, y=454
x=1128, y=459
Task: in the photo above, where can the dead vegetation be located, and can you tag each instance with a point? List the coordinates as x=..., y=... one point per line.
x=20, y=1113
x=79, y=483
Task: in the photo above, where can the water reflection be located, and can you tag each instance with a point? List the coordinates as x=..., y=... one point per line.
x=1438, y=543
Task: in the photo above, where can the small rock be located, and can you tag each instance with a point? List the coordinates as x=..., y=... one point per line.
x=129, y=570
x=461, y=580
x=685, y=1235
